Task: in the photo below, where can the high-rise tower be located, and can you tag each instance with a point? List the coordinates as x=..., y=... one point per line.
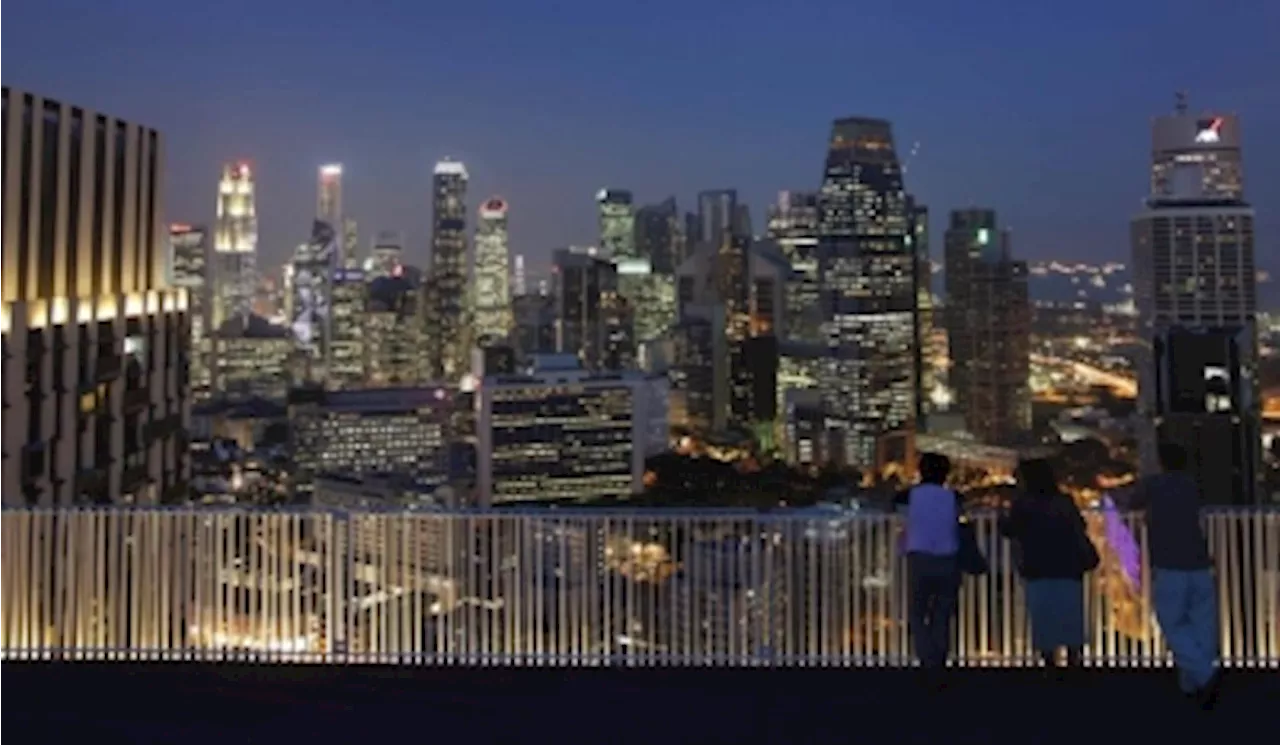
x=451, y=335
x=329, y=195
x=235, y=245
x=1196, y=293
x=191, y=271
x=988, y=328
x=493, y=273
x=865, y=264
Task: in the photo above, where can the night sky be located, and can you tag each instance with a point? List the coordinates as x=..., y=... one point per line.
x=1038, y=109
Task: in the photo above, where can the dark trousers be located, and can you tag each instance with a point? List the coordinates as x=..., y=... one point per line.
x=934, y=583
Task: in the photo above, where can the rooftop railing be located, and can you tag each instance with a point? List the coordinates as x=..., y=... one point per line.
x=567, y=587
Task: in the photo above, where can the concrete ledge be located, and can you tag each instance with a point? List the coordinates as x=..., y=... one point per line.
x=225, y=704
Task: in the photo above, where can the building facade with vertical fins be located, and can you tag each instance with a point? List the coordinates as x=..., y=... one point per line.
x=95, y=341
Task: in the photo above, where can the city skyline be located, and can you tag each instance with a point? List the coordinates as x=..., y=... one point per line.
x=546, y=131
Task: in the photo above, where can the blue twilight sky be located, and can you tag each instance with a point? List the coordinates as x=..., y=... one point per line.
x=1039, y=109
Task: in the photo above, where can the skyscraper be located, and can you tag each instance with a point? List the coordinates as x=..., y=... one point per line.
x=387, y=254
x=314, y=265
x=793, y=225
x=493, y=273
x=1195, y=289
x=95, y=340
x=329, y=194
x=866, y=269
x=449, y=273
x=658, y=233
x=593, y=320
x=347, y=368
x=235, y=245
x=518, y=278
x=191, y=271
x=617, y=224
x=988, y=328
x=717, y=216
x=926, y=380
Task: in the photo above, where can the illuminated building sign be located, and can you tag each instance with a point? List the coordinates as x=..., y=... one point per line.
x=1208, y=131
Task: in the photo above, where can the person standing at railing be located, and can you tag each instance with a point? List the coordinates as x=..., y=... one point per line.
x=1054, y=552
x=1183, y=585
x=932, y=544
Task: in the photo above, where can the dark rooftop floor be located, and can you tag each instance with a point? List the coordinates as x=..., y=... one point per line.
x=233, y=704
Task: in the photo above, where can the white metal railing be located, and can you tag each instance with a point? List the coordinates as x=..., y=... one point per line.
x=559, y=588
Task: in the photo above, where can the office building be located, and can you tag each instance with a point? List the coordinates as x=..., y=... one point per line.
x=396, y=350
x=717, y=219
x=450, y=271
x=190, y=266
x=391, y=431
x=793, y=226
x=329, y=194
x=519, y=280
x=386, y=255
x=593, y=320
x=866, y=268
x=730, y=304
x=535, y=325
x=926, y=351
x=988, y=328
x=659, y=236
x=617, y=224
x=348, y=336
x=95, y=364
x=253, y=359
x=1196, y=294
x=493, y=318
x=563, y=433
x=314, y=265
x=235, y=246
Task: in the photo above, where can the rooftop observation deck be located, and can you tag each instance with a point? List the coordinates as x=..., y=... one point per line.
x=581, y=626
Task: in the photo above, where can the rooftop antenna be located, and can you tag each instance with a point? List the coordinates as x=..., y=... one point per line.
x=1180, y=102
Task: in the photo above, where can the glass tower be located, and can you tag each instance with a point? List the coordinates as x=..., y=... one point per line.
x=493, y=273
x=868, y=293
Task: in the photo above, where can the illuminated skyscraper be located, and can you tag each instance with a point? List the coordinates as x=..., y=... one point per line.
x=190, y=270
x=387, y=254
x=314, y=265
x=519, y=279
x=1196, y=292
x=449, y=273
x=95, y=361
x=793, y=225
x=347, y=342
x=329, y=194
x=493, y=273
x=235, y=245
x=617, y=224
x=867, y=271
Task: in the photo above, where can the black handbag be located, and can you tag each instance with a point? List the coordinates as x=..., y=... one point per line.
x=969, y=557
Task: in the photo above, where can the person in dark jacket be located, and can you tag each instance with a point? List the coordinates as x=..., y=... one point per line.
x=1183, y=586
x=1054, y=552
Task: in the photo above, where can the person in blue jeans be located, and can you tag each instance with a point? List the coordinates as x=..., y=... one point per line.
x=932, y=545
x=1184, y=590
